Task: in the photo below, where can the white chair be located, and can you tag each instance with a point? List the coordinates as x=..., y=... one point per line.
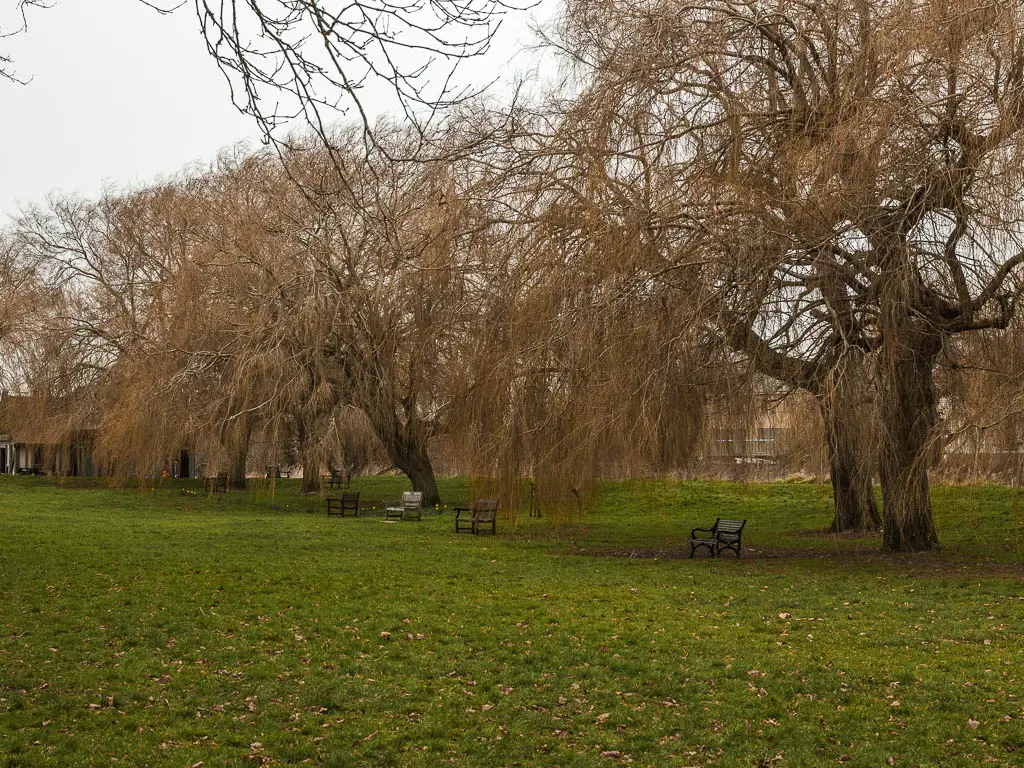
x=409, y=508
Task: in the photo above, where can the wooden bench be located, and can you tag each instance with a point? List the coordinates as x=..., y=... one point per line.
x=409, y=508
x=218, y=484
x=340, y=478
x=346, y=505
x=277, y=473
x=484, y=512
x=724, y=534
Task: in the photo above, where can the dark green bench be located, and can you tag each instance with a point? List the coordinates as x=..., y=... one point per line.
x=724, y=534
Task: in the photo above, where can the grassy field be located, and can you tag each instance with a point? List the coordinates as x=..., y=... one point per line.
x=144, y=627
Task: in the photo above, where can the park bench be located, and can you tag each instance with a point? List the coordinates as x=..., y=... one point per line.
x=340, y=478
x=277, y=473
x=343, y=506
x=218, y=484
x=724, y=534
x=484, y=512
x=409, y=508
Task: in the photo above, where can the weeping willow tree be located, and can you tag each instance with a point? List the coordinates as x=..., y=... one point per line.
x=854, y=168
x=140, y=291
x=391, y=265
x=104, y=287
x=584, y=365
x=611, y=329
x=24, y=298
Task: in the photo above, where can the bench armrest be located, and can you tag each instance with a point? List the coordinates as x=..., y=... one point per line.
x=702, y=530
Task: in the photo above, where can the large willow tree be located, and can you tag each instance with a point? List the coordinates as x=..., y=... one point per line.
x=855, y=168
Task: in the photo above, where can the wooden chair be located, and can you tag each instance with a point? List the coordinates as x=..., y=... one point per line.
x=394, y=509
x=484, y=512
x=346, y=505
x=218, y=484
x=340, y=478
x=410, y=508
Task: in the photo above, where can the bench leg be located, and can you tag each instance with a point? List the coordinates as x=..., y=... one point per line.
x=694, y=545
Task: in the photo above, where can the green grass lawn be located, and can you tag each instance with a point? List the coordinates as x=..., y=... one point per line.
x=144, y=627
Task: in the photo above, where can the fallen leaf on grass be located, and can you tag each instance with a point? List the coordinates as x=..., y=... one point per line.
x=973, y=724
x=601, y=718
x=614, y=754
x=367, y=737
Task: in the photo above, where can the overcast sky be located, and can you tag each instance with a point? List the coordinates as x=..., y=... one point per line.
x=121, y=95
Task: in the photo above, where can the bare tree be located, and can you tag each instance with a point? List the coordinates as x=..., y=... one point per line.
x=21, y=9
x=314, y=61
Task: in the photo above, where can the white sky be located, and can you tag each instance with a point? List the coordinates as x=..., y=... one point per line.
x=121, y=95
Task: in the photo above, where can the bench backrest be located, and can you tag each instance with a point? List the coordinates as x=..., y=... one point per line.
x=485, y=510
x=350, y=501
x=412, y=499
x=729, y=526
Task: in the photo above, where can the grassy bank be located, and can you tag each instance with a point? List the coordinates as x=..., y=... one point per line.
x=152, y=628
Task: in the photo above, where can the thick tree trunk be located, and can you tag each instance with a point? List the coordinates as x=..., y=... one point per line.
x=310, y=475
x=421, y=473
x=906, y=425
x=407, y=449
x=846, y=413
x=850, y=471
x=405, y=439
